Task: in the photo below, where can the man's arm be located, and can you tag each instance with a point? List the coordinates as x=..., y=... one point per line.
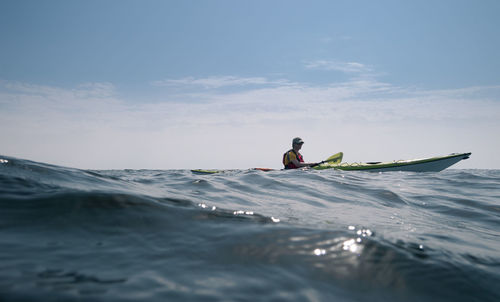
x=300, y=165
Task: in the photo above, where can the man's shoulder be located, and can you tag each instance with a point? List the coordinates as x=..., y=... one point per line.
x=292, y=152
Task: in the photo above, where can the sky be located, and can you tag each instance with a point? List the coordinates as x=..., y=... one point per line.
x=149, y=84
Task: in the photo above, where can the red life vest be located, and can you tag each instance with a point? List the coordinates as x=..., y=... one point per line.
x=289, y=164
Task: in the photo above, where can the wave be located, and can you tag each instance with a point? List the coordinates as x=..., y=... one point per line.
x=70, y=234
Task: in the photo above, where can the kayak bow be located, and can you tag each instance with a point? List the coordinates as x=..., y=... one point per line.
x=431, y=164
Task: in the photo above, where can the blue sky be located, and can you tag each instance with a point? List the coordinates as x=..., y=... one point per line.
x=228, y=84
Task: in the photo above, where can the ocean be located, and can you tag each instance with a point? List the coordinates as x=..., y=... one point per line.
x=244, y=235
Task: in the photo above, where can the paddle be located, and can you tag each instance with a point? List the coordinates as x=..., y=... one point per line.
x=335, y=159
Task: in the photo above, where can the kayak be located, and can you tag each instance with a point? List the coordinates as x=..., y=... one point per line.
x=430, y=164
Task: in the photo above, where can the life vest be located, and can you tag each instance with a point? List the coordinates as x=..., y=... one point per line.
x=288, y=163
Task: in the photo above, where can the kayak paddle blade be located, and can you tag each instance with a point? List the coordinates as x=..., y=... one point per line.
x=335, y=159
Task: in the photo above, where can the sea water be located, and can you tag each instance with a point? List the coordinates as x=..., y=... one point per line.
x=246, y=235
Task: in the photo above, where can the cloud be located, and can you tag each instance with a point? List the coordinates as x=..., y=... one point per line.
x=361, y=100
x=33, y=105
x=219, y=82
x=346, y=67
x=97, y=90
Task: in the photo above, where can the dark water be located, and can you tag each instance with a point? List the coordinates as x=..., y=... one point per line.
x=152, y=235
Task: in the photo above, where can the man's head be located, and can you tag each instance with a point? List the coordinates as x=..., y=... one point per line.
x=297, y=142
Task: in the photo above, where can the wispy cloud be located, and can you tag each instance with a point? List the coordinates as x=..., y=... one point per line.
x=346, y=67
x=221, y=81
x=360, y=99
x=98, y=90
x=335, y=39
x=41, y=100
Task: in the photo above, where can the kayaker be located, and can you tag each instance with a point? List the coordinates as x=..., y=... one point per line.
x=292, y=159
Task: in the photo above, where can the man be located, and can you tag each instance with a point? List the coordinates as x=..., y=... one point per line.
x=292, y=159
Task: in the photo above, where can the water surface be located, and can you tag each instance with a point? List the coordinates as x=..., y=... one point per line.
x=158, y=235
